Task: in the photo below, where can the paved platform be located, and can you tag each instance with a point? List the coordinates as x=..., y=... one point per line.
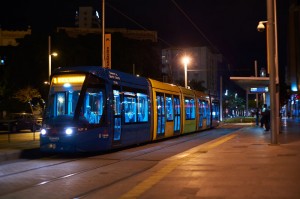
x=242, y=164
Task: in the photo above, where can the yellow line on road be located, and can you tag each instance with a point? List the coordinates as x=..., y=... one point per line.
x=142, y=187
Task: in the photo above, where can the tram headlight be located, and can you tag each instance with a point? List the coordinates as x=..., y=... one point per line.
x=43, y=131
x=69, y=131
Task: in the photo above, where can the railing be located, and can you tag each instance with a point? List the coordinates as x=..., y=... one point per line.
x=23, y=135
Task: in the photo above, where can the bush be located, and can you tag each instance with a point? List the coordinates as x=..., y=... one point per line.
x=240, y=120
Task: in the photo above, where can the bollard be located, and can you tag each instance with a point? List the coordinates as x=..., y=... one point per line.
x=8, y=132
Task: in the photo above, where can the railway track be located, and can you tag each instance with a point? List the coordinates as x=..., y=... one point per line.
x=77, y=176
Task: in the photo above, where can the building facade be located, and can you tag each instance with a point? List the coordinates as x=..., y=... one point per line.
x=10, y=37
x=87, y=21
x=293, y=70
x=203, y=66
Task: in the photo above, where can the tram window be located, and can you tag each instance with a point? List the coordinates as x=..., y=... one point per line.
x=169, y=108
x=142, y=107
x=215, y=110
x=61, y=104
x=207, y=111
x=160, y=113
x=200, y=112
x=189, y=105
x=94, y=105
x=130, y=107
x=72, y=102
x=117, y=103
x=117, y=114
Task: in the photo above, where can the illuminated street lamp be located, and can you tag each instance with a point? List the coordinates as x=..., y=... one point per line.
x=186, y=61
x=50, y=54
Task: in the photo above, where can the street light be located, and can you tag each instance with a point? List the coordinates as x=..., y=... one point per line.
x=261, y=27
x=50, y=54
x=186, y=61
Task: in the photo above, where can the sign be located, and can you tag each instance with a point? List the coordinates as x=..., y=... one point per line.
x=107, y=47
x=259, y=90
x=62, y=79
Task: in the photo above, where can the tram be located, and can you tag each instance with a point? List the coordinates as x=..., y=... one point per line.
x=91, y=109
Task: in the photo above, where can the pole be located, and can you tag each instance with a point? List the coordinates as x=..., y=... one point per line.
x=185, y=74
x=255, y=65
x=271, y=66
x=133, y=69
x=221, y=98
x=256, y=96
x=103, y=34
x=276, y=69
x=49, y=56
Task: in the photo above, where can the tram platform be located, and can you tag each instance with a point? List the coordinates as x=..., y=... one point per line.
x=243, y=164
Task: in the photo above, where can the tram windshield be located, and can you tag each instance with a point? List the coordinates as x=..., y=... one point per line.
x=64, y=94
x=64, y=97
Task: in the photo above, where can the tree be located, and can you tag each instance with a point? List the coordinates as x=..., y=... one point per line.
x=26, y=95
x=233, y=103
x=197, y=85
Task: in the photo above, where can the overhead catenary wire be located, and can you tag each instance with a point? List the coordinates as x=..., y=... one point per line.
x=135, y=22
x=194, y=25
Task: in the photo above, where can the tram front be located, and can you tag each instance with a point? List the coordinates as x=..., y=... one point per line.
x=75, y=116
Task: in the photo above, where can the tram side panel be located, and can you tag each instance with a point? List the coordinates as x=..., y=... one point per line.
x=203, y=110
x=132, y=112
x=188, y=110
x=166, y=106
x=215, y=109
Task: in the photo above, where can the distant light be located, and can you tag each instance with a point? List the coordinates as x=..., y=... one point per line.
x=294, y=87
x=54, y=54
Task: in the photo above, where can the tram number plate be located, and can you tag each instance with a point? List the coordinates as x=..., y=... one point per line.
x=54, y=139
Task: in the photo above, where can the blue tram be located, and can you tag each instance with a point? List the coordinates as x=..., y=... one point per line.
x=96, y=109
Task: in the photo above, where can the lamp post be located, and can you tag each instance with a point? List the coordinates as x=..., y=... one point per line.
x=103, y=34
x=50, y=54
x=272, y=57
x=185, y=61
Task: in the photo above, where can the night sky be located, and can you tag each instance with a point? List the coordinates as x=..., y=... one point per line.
x=227, y=25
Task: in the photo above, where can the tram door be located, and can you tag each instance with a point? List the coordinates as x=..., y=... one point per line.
x=160, y=100
x=200, y=112
x=177, y=114
x=117, y=115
